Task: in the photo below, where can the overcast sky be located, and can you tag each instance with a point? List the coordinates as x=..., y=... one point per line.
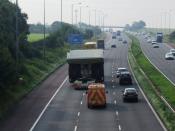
x=118, y=12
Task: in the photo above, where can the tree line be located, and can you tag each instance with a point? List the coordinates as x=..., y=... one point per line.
x=59, y=33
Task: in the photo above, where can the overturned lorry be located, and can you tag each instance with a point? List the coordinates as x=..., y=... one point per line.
x=85, y=67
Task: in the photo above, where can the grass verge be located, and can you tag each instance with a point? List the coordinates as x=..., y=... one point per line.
x=34, y=37
x=37, y=71
x=137, y=60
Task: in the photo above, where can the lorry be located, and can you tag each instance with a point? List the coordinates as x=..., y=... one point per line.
x=85, y=67
x=96, y=95
x=159, y=37
x=90, y=45
x=100, y=44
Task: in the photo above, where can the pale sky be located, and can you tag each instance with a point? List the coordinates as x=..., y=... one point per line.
x=118, y=12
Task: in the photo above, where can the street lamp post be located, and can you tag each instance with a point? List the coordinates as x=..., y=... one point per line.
x=44, y=44
x=72, y=12
x=61, y=11
x=17, y=37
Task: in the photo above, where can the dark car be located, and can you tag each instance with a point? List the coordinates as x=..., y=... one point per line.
x=113, y=46
x=114, y=37
x=125, y=42
x=119, y=70
x=130, y=94
x=125, y=78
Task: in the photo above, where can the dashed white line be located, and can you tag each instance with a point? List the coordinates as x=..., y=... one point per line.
x=116, y=113
x=114, y=93
x=120, y=128
x=75, y=129
x=115, y=102
x=81, y=102
x=78, y=114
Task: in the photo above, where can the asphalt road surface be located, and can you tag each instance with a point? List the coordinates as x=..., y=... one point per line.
x=157, y=57
x=68, y=111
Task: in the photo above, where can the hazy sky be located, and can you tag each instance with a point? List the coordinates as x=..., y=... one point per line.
x=118, y=12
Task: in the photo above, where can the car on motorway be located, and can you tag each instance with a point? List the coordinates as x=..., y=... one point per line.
x=119, y=70
x=130, y=94
x=169, y=56
x=120, y=39
x=114, y=37
x=125, y=42
x=153, y=42
x=149, y=40
x=113, y=46
x=172, y=51
x=125, y=78
x=155, y=45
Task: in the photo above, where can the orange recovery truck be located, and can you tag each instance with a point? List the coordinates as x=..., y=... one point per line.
x=96, y=95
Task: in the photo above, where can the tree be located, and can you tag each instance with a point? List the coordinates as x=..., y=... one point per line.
x=137, y=25
x=8, y=38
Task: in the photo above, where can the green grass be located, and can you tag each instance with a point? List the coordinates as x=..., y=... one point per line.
x=135, y=57
x=37, y=71
x=164, y=86
x=34, y=37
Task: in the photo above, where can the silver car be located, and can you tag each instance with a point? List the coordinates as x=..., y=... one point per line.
x=119, y=70
x=169, y=56
x=172, y=51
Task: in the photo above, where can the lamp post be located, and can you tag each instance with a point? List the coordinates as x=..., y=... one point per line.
x=72, y=12
x=44, y=44
x=17, y=37
x=61, y=11
x=81, y=14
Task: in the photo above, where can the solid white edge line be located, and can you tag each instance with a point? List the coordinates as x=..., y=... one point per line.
x=43, y=111
x=167, y=104
x=156, y=66
x=154, y=112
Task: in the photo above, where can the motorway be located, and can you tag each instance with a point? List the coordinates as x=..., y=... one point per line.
x=67, y=110
x=157, y=57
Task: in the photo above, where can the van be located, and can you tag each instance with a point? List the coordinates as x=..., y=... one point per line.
x=96, y=95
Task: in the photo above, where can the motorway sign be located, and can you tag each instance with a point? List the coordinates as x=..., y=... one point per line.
x=75, y=39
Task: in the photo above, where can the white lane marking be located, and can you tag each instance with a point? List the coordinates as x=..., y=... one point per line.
x=113, y=86
x=116, y=113
x=115, y=102
x=83, y=94
x=112, y=80
x=120, y=128
x=78, y=114
x=43, y=111
x=154, y=112
x=81, y=102
x=168, y=104
x=75, y=129
x=114, y=93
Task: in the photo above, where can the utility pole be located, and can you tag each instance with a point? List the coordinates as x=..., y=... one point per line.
x=44, y=42
x=72, y=12
x=89, y=18
x=61, y=11
x=17, y=38
x=76, y=11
